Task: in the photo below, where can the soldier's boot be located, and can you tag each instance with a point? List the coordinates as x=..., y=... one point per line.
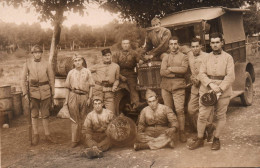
x=50, y=139
x=35, y=139
x=199, y=142
x=215, y=144
x=182, y=136
x=140, y=146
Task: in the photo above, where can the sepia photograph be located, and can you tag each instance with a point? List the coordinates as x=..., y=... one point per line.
x=129, y=84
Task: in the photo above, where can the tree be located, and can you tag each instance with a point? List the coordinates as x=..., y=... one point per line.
x=142, y=11
x=251, y=20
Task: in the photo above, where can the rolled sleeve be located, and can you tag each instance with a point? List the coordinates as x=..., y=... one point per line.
x=164, y=71
x=181, y=69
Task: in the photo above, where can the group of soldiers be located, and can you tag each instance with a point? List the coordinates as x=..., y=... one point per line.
x=159, y=125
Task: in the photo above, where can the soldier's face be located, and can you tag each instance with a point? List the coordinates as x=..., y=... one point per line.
x=156, y=26
x=216, y=44
x=37, y=55
x=173, y=45
x=152, y=102
x=78, y=62
x=195, y=48
x=125, y=44
x=98, y=106
x=107, y=58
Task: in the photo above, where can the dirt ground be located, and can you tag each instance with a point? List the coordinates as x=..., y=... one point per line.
x=240, y=145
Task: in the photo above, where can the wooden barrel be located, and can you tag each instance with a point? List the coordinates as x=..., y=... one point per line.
x=5, y=91
x=17, y=103
x=6, y=101
x=64, y=65
x=60, y=91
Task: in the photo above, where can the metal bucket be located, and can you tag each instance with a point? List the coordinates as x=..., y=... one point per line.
x=17, y=103
x=60, y=91
x=64, y=65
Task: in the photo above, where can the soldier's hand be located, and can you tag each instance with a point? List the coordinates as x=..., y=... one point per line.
x=123, y=78
x=89, y=101
x=215, y=87
x=141, y=62
x=114, y=88
x=170, y=132
x=26, y=97
x=148, y=57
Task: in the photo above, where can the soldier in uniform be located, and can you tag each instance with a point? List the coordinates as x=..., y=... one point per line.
x=217, y=75
x=157, y=40
x=106, y=76
x=157, y=125
x=41, y=91
x=95, y=126
x=127, y=59
x=173, y=68
x=79, y=83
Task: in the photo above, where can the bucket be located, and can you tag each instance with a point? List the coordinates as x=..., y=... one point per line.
x=60, y=91
x=6, y=102
x=64, y=65
x=17, y=103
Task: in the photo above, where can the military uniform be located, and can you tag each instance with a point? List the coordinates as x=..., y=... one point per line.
x=106, y=76
x=95, y=127
x=217, y=69
x=157, y=42
x=127, y=61
x=152, y=126
x=79, y=83
x=173, y=68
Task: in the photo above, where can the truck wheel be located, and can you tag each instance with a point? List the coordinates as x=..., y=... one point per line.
x=247, y=96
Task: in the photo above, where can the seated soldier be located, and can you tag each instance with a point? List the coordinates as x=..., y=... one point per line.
x=157, y=125
x=95, y=126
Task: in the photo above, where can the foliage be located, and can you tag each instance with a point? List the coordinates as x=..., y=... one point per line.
x=252, y=20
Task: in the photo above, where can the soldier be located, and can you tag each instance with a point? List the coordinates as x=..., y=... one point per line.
x=217, y=75
x=41, y=91
x=157, y=125
x=173, y=68
x=127, y=59
x=106, y=77
x=157, y=40
x=95, y=127
x=79, y=83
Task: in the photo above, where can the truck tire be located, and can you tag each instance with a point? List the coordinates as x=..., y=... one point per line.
x=247, y=96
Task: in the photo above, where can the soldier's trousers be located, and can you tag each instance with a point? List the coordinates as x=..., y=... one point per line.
x=175, y=100
x=220, y=110
x=98, y=139
x=134, y=96
x=77, y=107
x=40, y=105
x=155, y=137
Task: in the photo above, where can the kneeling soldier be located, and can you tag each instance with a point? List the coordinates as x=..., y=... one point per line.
x=157, y=125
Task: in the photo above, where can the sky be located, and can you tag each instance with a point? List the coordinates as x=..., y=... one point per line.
x=96, y=17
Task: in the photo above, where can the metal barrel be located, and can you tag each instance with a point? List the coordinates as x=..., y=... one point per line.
x=17, y=103
x=60, y=91
x=6, y=102
x=64, y=65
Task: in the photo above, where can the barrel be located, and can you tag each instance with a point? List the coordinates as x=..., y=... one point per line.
x=6, y=101
x=60, y=91
x=17, y=103
x=64, y=65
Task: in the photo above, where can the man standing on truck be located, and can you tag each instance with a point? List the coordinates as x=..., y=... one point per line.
x=106, y=77
x=216, y=75
x=127, y=59
x=173, y=68
x=157, y=41
x=157, y=125
x=38, y=74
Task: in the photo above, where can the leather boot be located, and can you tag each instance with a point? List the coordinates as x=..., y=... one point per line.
x=35, y=139
x=140, y=146
x=199, y=142
x=182, y=136
x=215, y=144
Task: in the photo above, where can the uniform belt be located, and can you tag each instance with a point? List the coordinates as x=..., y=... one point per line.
x=216, y=77
x=39, y=84
x=104, y=84
x=157, y=125
x=177, y=76
x=79, y=92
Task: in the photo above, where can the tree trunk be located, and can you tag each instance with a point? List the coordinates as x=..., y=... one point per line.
x=57, y=22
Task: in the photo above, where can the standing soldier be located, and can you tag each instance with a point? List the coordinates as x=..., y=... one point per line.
x=157, y=40
x=173, y=68
x=106, y=77
x=79, y=82
x=127, y=60
x=216, y=75
x=157, y=125
x=41, y=91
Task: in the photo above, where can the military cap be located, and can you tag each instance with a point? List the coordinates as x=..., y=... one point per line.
x=155, y=20
x=36, y=48
x=105, y=51
x=76, y=56
x=97, y=97
x=149, y=93
x=209, y=99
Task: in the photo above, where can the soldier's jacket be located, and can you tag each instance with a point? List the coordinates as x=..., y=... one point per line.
x=195, y=63
x=79, y=79
x=95, y=122
x=127, y=61
x=217, y=65
x=173, y=65
x=39, y=72
x=106, y=72
x=163, y=116
x=157, y=42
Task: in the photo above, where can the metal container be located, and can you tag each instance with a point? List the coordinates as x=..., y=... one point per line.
x=6, y=102
x=5, y=91
x=17, y=103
